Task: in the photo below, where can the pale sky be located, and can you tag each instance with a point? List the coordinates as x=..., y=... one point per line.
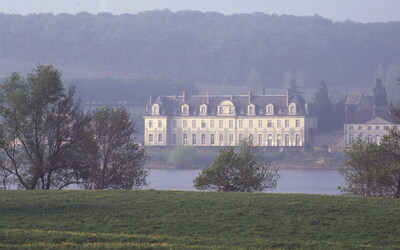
x=336, y=10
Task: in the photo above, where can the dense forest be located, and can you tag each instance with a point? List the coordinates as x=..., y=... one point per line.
x=212, y=48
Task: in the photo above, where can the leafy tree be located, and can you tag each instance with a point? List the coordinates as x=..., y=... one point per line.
x=41, y=129
x=118, y=162
x=372, y=169
x=238, y=172
x=323, y=108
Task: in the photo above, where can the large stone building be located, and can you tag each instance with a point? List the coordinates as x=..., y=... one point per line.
x=224, y=120
x=368, y=117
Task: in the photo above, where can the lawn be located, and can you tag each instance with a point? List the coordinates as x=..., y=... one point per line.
x=150, y=219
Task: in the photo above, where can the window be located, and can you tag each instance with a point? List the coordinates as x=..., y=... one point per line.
x=369, y=138
x=297, y=123
x=240, y=138
x=351, y=127
x=221, y=138
x=193, y=123
x=184, y=123
x=297, y=141
x=159, y=123
x=250, y=123
x=150, y=123
x=270, y=109
x=230, y=123
x=394, y=127
x=212, y=124
x=376, y=127
x=203, y=123
x=260, y=139
x=260, y=123
x=173, y=123
x=185, y=110
x=174, y=139
x=194, y=139
x=231, y=110
x=230, y=138
x=251, y=138
x=287, y=140
x=203, y=109
x=269, y=140
x=278, y=123
x=278, y=140
x=359, y=127
x=151, y=138
x=159, y=137
x=250, y=110
x=212, y=139
x=369, y=127
x=155, y=110
x=286, y=123
x=221, y=123
x=269, y=123
x=351, y=138
x=203, y=139
x=378, y=139
x=220, y=110
x=185, y=139
x=386, y=127
x=240, y=123
x=292, y=109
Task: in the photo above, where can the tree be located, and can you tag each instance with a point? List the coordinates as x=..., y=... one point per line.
x=238, y=172
x=41, y=129
x=118, y=161
x=323, y=108
x=294, y=87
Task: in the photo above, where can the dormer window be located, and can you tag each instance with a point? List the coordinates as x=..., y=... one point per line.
x=292, y=109
x=226, y=108
x=251, y=109
x=185, y=109
x=155, y=109
x=203, y=109
x=270, y=109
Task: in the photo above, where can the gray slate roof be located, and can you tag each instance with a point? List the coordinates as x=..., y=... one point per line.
x=171, y=105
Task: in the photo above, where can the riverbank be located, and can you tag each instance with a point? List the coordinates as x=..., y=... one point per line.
x=152, y=219
x=286, y=158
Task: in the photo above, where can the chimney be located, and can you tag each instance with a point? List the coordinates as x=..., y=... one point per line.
x=151, y=100
x=345, y=113
x=289, y=96
x=208, y=98
x=250, y=96
x=263, y=89
x=306, y=108
x=184, y=96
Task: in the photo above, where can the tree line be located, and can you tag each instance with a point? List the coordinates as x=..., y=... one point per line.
x=205, y=47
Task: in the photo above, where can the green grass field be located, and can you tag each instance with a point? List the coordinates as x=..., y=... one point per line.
x=152, y=219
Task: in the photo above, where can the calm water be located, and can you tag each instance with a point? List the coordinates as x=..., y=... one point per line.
x=307, y=181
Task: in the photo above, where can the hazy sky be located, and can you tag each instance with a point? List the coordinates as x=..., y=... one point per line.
x=337, y=10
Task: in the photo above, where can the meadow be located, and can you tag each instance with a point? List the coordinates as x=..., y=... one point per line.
x=151, y=219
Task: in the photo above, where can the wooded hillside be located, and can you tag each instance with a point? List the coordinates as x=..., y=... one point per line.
x=210, y=47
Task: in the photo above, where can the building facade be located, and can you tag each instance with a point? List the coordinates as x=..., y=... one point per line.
x=225, y=120
x=368, y=117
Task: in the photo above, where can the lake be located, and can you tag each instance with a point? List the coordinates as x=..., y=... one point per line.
x=307, y=181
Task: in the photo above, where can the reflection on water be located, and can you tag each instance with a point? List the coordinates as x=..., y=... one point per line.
x=307, y=181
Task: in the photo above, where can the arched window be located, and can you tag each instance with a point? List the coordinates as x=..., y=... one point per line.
x=270, y=109
x=203, y=109
x=155, y=109
x=226, y=108
x=292, y=109
x=185, y=109
x=251, y=109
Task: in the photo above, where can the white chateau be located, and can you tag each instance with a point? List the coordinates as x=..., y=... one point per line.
x=225, y=120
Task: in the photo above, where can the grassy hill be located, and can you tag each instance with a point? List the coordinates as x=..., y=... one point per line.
x=194, y=220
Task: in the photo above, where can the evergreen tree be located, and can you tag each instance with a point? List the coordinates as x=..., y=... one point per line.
x=323, y=108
